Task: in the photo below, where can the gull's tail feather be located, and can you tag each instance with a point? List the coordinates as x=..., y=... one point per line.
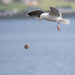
x=65, y=21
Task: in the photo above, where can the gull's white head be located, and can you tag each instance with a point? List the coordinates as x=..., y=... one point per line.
x=41, y=16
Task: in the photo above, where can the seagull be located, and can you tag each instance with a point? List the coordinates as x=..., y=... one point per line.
x=53, y=15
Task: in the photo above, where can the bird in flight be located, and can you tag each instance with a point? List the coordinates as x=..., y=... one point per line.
x=53, y=15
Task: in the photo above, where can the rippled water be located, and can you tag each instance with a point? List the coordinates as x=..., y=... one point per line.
x=50, y=52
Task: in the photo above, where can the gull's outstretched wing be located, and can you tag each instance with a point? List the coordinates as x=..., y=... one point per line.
x=36, y=13
x=55, y=12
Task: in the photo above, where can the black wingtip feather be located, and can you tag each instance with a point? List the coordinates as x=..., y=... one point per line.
x=35, y=13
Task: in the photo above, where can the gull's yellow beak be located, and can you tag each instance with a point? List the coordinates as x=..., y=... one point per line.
x=40, y=19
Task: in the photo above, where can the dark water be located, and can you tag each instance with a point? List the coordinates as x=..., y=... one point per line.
x=50, y=52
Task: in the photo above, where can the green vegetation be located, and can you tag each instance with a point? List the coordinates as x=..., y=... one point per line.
x=17, y=5
x=55, y=3
x=44, y=4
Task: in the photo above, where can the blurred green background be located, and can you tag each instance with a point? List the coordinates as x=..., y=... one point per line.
x=21, y=5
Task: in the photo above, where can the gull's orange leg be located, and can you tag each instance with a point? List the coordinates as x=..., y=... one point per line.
x=58, y=26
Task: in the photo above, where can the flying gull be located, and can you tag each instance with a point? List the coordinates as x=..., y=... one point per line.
x=53, y=15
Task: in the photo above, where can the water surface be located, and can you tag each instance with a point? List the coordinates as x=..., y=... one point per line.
x=50, y=52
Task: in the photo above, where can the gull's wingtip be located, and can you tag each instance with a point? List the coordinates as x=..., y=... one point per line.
x=27, y=14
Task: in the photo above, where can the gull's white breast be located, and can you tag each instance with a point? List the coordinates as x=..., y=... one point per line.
x=49, y=17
